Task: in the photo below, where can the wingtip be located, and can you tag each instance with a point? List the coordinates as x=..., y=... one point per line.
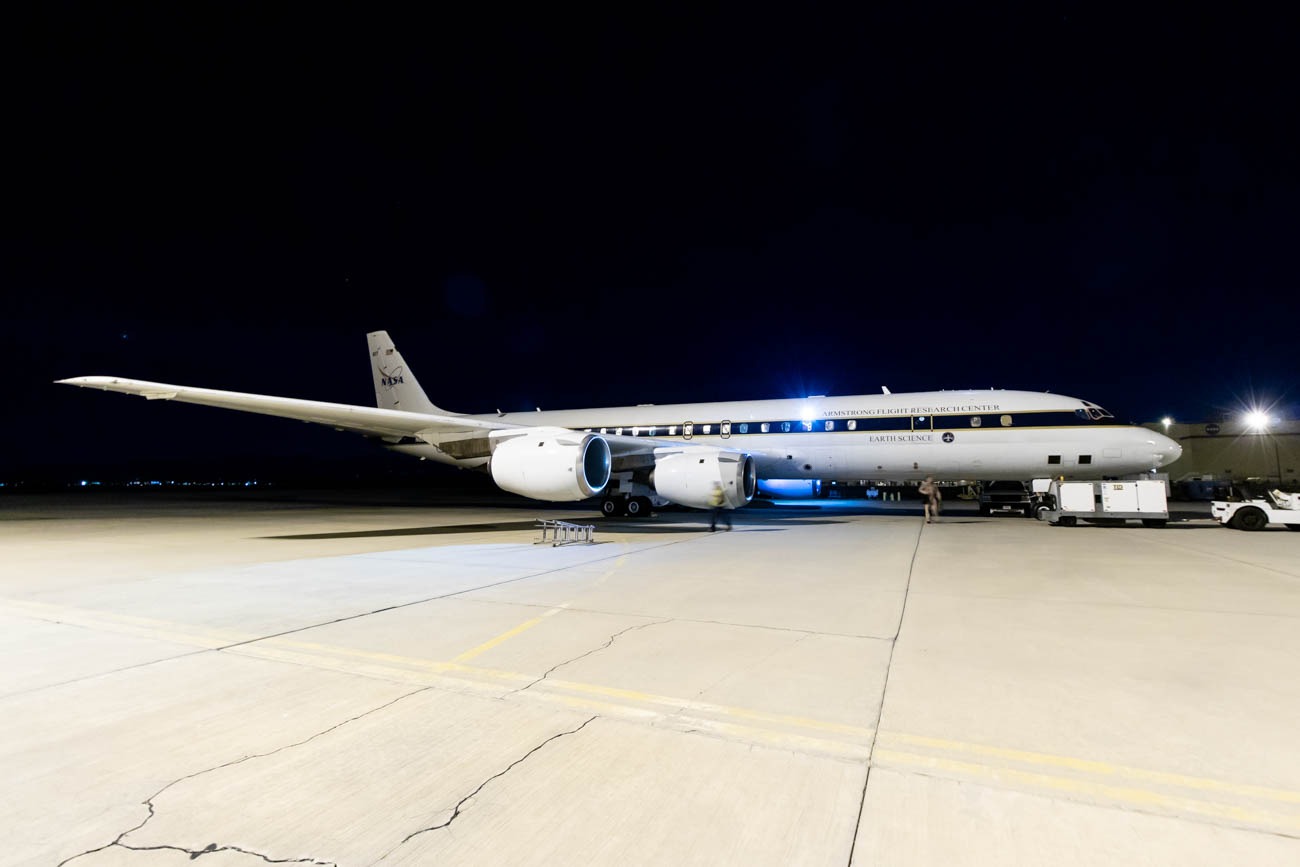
x=87, y=381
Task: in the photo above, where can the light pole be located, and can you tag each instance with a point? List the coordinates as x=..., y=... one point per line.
x=1258, y=422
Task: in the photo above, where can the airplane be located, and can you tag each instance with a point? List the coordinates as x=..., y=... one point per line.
x=639, y=457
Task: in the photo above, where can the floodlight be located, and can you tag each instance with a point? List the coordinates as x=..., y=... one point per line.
x=1257, y=420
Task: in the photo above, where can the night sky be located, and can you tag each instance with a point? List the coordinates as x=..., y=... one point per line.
x=643, y=206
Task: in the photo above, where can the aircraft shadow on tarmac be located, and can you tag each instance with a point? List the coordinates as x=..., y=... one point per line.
x=637, y=527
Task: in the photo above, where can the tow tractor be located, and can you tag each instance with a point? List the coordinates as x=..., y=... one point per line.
x=1255, y=512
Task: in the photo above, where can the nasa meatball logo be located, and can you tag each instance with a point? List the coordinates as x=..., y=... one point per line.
x=948, y=437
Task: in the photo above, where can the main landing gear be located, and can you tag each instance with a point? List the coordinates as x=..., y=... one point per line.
x=632, y=507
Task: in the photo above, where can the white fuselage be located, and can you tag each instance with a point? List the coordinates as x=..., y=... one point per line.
x=947, y=434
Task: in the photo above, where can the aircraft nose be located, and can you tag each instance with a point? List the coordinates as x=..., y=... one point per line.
x=1167, y=450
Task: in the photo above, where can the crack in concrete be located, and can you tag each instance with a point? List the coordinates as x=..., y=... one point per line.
x=212, y=847
x=461, y=803
x=609, y=642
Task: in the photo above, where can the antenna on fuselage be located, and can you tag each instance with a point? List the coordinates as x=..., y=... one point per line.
x=885, y=389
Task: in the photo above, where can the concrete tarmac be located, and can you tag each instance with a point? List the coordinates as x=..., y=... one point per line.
x=295, y=681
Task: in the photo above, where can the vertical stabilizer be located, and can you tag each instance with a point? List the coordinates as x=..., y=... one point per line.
x=395, y=385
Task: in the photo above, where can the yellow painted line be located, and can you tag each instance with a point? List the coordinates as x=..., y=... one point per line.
x=705, y=707
x=287, y=648
x=274, y=645
x=1101, y=791
x=1090, y=766
x=747, y=734
x=506, y=636
x=720, y=719
x=124, y=624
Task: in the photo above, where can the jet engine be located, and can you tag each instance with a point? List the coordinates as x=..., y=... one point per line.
x=550, y=463
x=688, y=477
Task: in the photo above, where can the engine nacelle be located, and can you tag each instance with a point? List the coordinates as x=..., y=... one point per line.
x=688, y=477
x=552, y=464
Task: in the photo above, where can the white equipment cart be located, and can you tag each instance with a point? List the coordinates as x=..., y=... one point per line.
x=1103, y=503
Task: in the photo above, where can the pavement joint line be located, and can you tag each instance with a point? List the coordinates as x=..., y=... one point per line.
x=450, y=595
x=604, y=613
x=1103, y=792
x=1097, y=603
x=884, y=692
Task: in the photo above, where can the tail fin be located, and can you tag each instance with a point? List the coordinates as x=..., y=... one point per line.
x=395, y=385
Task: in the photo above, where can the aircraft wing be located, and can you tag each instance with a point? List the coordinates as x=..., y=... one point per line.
x=628, y=452
x=340, y=416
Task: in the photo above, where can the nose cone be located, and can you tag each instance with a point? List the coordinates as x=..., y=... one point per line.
x=1166, y=450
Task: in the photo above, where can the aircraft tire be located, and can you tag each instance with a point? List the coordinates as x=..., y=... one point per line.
x=636, y=507
x=610, y=507
x=1250, y=518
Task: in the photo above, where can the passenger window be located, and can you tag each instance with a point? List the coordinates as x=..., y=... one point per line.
x=830, y=425
x=853, y=424
x=764, y=427
x=744, y=428
x=707, y=428
x=785, y=427
x=1085, y=459
x=672, y=430
x=807, y=425
x=1053, y=459
x=1006, y=421
x=976, y=421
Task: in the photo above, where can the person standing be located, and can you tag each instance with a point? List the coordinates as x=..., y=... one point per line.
x=931, y=497
x=716, y=500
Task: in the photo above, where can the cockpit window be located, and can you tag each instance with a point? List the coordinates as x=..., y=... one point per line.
x=1092, y=412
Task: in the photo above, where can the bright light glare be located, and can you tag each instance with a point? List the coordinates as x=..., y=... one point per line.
x=1257, y=420
x=1166, y=421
